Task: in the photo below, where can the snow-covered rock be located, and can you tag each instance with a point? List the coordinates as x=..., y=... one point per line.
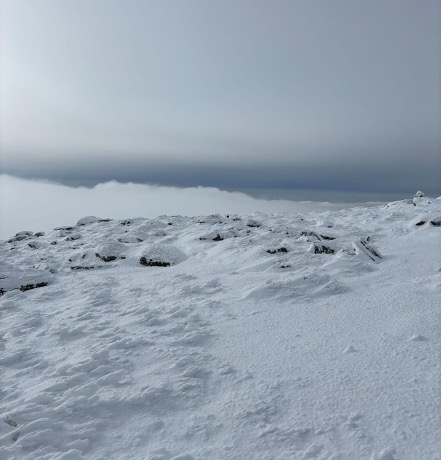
x=87, y=221
x=111, y=250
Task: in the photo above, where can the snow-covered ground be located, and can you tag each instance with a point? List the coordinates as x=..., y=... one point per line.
x=283, y=336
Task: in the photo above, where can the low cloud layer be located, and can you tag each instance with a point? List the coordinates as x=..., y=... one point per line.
x=400, y=172
x=41, y=206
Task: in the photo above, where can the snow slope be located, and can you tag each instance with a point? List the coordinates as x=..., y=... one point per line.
x=284, y=336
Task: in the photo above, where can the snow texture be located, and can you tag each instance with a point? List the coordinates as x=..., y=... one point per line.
x=283, y=336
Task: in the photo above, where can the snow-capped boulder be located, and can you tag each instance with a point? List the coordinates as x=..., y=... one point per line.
x=253, y=223
x=420, y=198
x=161, y=256
x=23, y=279
x=211, y=220
x=276, y=250
x=219, y=235
x=21, y=236
x=110, y=251
x=87, y=221
x=362, y=246
x=85, y=260
x=73, y=237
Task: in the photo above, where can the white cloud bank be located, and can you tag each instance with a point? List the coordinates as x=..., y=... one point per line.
x=41, y=206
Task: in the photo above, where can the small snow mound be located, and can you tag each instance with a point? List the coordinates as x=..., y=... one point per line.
x=87, y=220
x=211, y=220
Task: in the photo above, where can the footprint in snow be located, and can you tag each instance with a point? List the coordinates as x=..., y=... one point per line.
x=418, y=338
x=389, y=453
x=350, y=349
x=9, y=421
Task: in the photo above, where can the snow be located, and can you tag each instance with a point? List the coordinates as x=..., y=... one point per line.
x=224, y=336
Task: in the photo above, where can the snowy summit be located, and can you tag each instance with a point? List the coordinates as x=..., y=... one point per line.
x=269, y=336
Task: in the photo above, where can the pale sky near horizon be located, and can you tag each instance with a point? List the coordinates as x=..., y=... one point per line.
x=335, y=96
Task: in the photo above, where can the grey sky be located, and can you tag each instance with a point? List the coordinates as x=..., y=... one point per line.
x=316, y=95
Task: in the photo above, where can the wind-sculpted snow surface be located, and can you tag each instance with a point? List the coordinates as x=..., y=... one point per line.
x=281, y=336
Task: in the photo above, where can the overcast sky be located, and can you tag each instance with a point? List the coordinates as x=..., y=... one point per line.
x=327, y=96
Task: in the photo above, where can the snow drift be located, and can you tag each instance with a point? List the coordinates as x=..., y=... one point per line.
x=267, y=336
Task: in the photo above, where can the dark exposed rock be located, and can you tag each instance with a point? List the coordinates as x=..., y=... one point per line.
x=126, y=222
x=68, y=229
x=372, y=253
x=324, y=237
x=218, y=237
x=435, y=222
x=309, y=233
x=153, y=263
x=421, y=222
x=38, y=234
x=274, y=251
x=74, y=237
x=53, y=243
x=106, y=258
x=83, y=267
x=321, y=249
x=28, y=287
